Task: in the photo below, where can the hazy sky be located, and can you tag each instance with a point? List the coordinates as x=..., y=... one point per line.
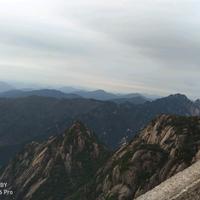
x=150, y=46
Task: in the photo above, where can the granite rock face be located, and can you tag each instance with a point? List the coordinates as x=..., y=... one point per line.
x=75, y=166
x=183, y=186
x=168, y=145
x=56, y=168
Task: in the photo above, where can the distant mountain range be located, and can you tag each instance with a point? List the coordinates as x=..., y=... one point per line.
x=9, y=91
x=106, y=96
x=134, y=100
x=5, y=87
x=98, y=95
x=35, y=118
x=76, y=166
x=43, y=93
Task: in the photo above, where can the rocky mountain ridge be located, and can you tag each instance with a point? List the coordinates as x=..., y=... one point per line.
x=102, y=95
x=42, y=93
x=56, y=168
x=25, y=119
x=79, y=165
x=165, y=147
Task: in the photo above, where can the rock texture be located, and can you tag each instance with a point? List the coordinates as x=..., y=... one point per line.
x=183, y=186
x=55, y=169
x=74, y=166
x=165, y=147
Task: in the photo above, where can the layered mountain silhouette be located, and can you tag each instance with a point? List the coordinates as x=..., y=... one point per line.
x=97, y=94
x=36, y=118
x=42, y=93
x=102, y=95
x=76, y=166
x=134, y=99
x=5, y=87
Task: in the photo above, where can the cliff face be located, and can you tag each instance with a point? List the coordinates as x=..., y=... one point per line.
x=74, y=166
x=57, y=168
x=183, y=186
x=166, y=146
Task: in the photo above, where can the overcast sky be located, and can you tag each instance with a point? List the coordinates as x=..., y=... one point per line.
x=149, y=46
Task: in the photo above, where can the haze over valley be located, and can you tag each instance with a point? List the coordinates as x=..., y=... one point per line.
x=99, y=100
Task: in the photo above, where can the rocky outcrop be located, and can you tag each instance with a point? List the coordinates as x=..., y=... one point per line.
x=74, y=166
x=168, y=145
x=57, y=168
x=183, y=186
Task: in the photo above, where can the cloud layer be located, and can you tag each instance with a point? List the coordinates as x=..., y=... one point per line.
x=123, y=45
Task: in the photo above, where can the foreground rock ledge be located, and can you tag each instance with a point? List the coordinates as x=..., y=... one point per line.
x=183, y=186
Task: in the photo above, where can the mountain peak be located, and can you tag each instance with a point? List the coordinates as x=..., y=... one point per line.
x=80, y=138
x=62, y=164
x=79, y=128
x=179, y=96
x=100, y=91
x=78, y=125
x=74, y=166
x=165, y=147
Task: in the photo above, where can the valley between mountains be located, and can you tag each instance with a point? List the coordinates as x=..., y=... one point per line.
x=35, y=118
x=57, y=147
x=99, y=100
x=76, y=166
